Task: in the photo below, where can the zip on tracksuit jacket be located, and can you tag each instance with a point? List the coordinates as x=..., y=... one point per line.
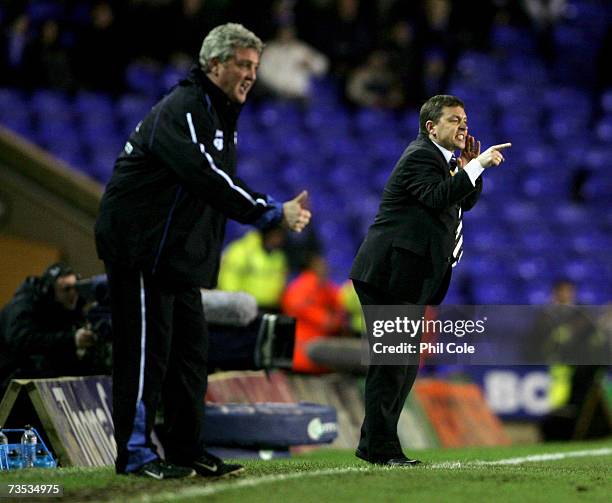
x=173, y=186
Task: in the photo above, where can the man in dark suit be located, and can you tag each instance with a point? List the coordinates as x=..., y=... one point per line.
x=409, y=252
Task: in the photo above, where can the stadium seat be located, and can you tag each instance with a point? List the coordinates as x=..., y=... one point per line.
x=524, y=233
x=606, y=101
x=51, y=106
x=512, y=39
x=144, y=78
x=604, y=129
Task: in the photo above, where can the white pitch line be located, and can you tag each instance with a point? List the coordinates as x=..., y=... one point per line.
x=534, y=458
x=218, y=487
x=193, y=492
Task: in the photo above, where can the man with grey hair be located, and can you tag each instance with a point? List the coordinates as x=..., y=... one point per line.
x=159, y=232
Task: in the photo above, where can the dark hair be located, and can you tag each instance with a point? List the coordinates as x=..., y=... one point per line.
x=52, y=274
x=432, y=109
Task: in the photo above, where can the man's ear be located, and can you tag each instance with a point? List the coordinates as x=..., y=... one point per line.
x=429, y=125
x=213, y=66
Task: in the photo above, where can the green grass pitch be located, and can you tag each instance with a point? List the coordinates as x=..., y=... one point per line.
x=536, y=473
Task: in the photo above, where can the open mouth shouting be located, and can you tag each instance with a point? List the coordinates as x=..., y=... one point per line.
x=461, y=138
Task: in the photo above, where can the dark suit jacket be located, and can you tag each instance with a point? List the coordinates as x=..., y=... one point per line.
x=408, y=249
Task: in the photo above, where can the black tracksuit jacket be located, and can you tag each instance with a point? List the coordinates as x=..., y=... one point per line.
x=173, y=186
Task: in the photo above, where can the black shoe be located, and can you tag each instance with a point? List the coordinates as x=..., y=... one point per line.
x=402, y=462
x=160, y=470
x=208, y=465
x=395, y=461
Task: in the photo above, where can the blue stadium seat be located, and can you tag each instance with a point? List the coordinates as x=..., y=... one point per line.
x=586, y=240
x=542, y=185
x=512, y=39
x=581, y=269
x=51, y=106
x=498, y=291
x=42, y=10
x=604, y=129
x=323, y=92
x=145, y=79
x=89, y=103
x=519, y=67
x=472, y=65
x=559, y=99
x=535, y=239
x=599, y=187
x=538, y=294
x=171, y=75
x=371, y=121
x=14, y=112
x=484, y=239
x=523, y=234
x=593, y=294
x=533, y=267
x=133, y=107
x=12, y=101
x=606, y=101
x=19, y=124
x=518, y=212
x=569, y=214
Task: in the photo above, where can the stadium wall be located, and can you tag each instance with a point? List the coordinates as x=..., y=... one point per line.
x=44, y=204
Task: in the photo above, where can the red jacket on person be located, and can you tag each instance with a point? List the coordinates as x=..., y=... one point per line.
x=317, y=307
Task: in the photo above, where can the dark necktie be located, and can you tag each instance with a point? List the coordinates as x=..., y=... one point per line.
x=458, y=248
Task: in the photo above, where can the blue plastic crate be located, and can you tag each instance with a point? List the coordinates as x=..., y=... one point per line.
x=11, y=456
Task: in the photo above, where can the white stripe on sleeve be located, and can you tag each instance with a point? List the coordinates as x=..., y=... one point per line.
x=220, y=172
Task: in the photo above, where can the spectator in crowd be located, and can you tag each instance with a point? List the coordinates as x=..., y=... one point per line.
x=544, y=15
x=46, y=60
x=14, y=43
x=159, y=231
x=350, y=303
x=435, y=71
x=187, y=19
x=315, y=303
x=564, y=293
x=374, y=84
x=146, y=36
x=440, y=44
x=256, y=264
x=289, y=64
x=572, y=335
x=298, y=247
x=406, y=60
x=345, y=31
x=604, y=56
x=43, y=330
x=101, y=51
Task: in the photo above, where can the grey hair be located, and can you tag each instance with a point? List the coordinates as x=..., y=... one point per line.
x=223, y=40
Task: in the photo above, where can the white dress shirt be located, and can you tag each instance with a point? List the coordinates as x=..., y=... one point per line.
x=474, y=169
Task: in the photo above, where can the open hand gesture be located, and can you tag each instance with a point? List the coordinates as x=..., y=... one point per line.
x=471, y=151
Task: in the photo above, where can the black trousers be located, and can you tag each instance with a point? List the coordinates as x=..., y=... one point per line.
x=160, y=349
x=387, y=386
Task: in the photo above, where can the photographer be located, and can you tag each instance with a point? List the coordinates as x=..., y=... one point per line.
x=43, y=329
